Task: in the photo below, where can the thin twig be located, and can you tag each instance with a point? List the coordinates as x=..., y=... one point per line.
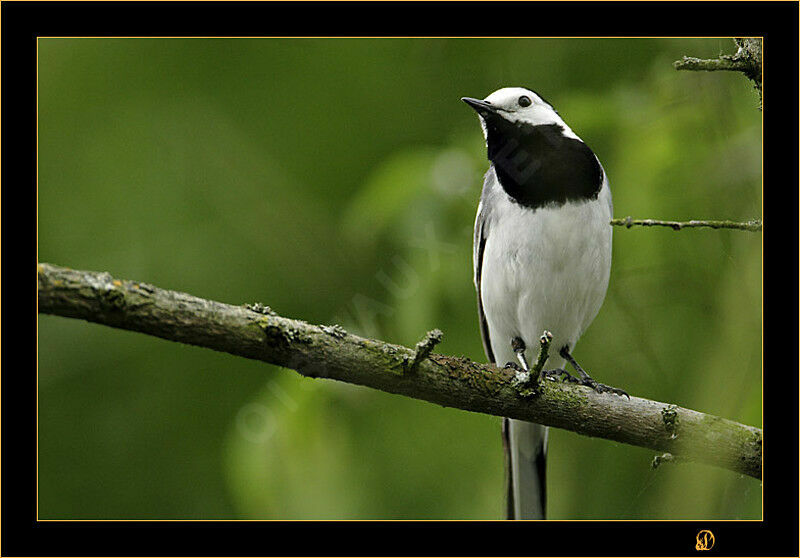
x=330, y=352
x=424, y=348
x=728, y=63
x=754, y=225
x=528, y=381
x=544, y=349
x=747, y=60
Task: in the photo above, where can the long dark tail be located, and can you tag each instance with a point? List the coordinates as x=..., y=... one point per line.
x=525, y=446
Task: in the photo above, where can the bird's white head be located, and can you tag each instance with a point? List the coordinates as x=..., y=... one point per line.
x=519, y=105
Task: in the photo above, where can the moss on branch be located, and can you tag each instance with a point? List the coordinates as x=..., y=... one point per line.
x=747, y=60
x=331, y=352
x=753, y=225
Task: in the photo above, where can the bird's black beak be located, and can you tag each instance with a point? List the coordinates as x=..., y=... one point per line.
x=480, y=106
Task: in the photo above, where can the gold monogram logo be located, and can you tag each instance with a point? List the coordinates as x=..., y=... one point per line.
x=705, y=540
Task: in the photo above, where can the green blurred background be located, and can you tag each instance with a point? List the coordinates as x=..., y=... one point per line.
x=337, y=181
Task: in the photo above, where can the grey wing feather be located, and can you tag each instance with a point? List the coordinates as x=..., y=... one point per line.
x=525, y=483
x=478, y=247
x=607, y=185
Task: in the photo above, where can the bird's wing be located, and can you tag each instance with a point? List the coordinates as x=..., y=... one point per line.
x=478, y=246
x=606, y=186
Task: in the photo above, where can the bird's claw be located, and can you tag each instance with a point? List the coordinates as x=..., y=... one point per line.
x=602, y=388
x=514, y=366
x=559, y=374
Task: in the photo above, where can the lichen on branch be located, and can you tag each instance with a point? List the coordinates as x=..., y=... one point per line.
x=754, y=225
x=747, y=60
x=257, y=332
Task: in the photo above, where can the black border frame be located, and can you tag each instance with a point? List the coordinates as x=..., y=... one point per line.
x=22, y=22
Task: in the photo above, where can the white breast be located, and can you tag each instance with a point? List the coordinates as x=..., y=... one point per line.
x=544, y=269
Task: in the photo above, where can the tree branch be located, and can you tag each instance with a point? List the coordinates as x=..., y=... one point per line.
x=746, y=60
x=258, y=333
x=753, y=225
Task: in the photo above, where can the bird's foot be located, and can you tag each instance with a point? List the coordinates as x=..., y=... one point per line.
x=588, y=381
x=523, y=380
x=559, y=375
x=602, y=388
x=518, y=345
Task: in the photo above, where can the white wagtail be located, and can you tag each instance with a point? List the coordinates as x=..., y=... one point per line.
x=542, y=258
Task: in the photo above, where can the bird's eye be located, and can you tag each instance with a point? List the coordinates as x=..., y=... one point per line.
x=524, y=101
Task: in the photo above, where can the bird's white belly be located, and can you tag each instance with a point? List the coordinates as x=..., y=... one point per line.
x=545, y=270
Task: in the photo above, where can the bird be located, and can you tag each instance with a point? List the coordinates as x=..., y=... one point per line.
x=542, y=261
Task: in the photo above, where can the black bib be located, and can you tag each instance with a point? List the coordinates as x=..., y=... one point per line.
x=537, y=165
